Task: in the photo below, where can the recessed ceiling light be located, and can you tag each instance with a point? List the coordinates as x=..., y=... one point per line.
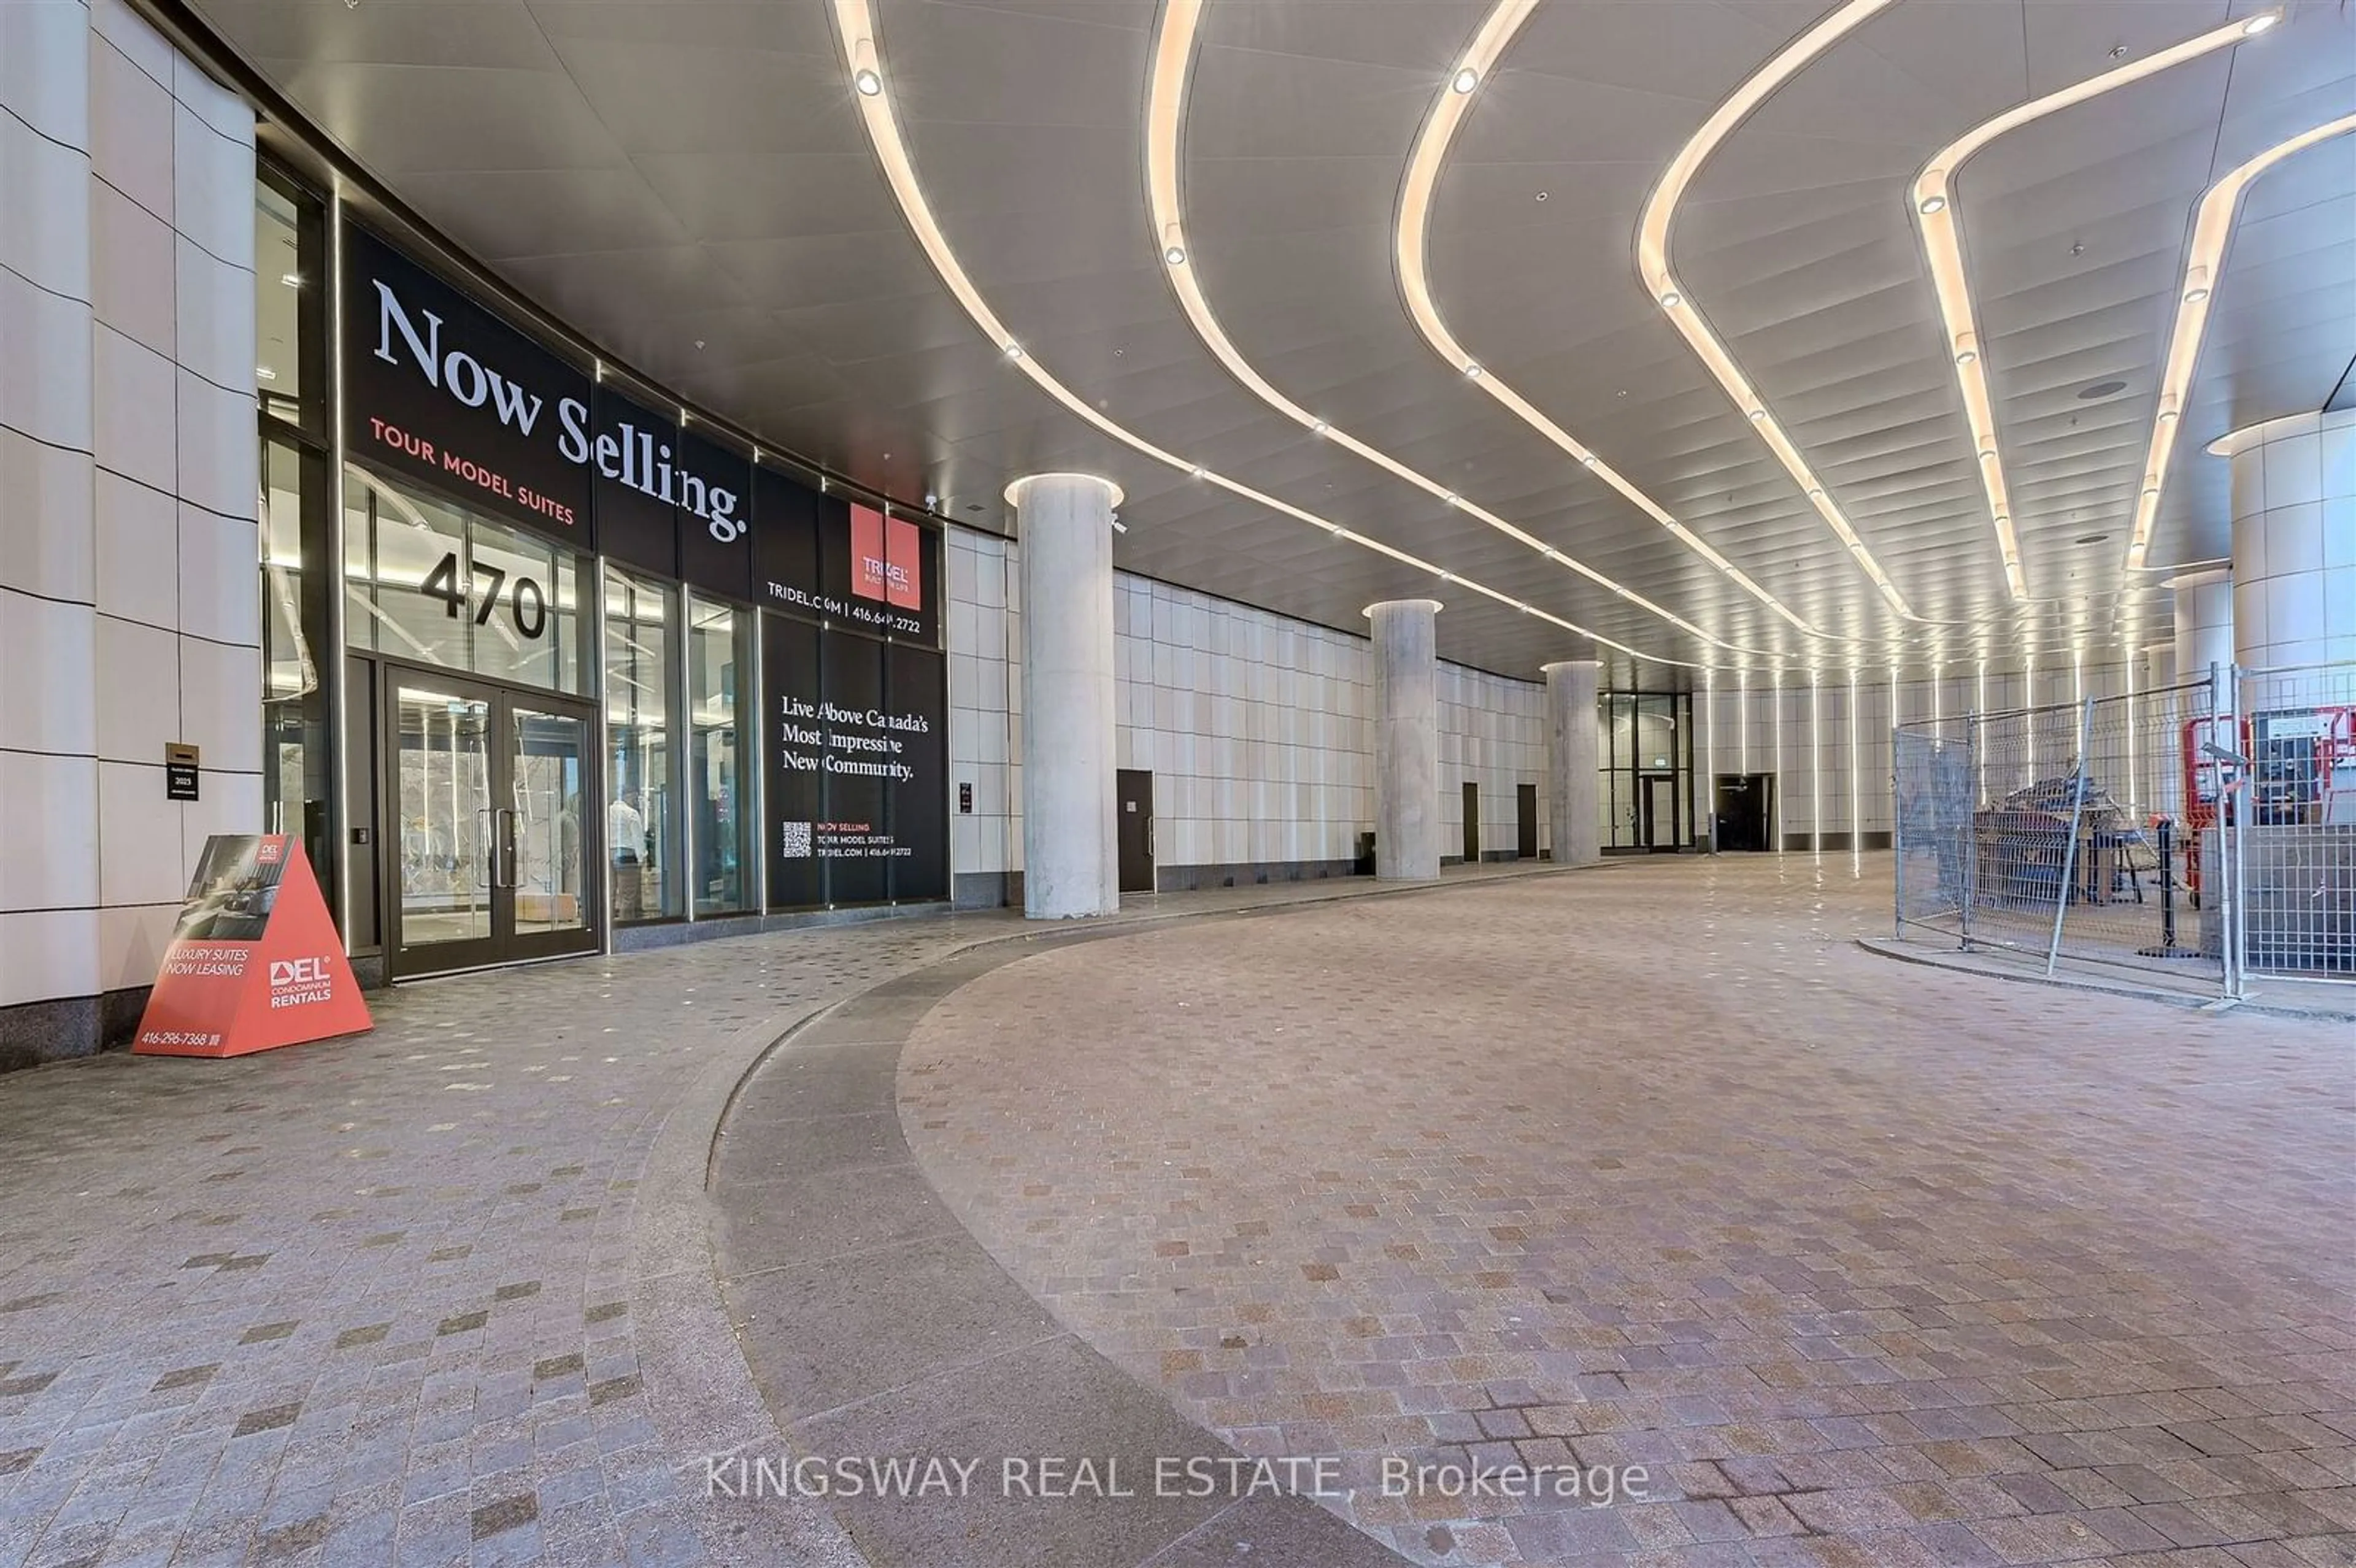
x=1589, y=460
x=2150, y=494
x=2101, y=389
x=931, y=501
x=2165, y=415
x=1542, y=195
x=868, y=82
x=1965, y=356
x=2090, y=539
x=2259, y=23
x=1175, y=255
x=2119, y=51
x=1015, y=351
x=2195, y=294
x=1472, y=372
x=1319, y=427
x=1672, y=299
x=1935, y=204
x=1466, y=80
x=1759, y=413
x=1450, y=498
x=1198, y=471
x=973, y=506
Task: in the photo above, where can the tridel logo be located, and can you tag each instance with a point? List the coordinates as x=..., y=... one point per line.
x=885, y=556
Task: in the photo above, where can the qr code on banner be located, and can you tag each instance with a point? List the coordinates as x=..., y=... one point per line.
x=794, y=844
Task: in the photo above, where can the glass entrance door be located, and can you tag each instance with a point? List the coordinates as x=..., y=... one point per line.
x=491, y=789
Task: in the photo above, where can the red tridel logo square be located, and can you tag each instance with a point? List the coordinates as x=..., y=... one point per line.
x=886, y=556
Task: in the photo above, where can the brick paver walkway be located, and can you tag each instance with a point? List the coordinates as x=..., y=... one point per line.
x=1866, y=1263
x=438, y=1295
x=406, y=1298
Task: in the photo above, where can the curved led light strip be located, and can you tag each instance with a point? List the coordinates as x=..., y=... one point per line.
x=855, y=24
x=1415, y=283
x=1173, y=56
x=1685, y=313
x=1935, y=214
x=2213, y=231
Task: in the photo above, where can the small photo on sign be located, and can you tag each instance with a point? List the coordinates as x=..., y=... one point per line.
x=232, y=895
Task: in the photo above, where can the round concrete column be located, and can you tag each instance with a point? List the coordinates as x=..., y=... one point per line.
x=1070, y=858
x=2294, y=540
x=1407, y=740
x=2204, y=621
x=1571, y=744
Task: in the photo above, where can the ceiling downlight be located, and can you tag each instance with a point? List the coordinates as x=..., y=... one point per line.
x=1174, y=54
x=2212, y=232
x=854, y=20
x=1940, y=226
x=1412, y=245
x=1653, y=265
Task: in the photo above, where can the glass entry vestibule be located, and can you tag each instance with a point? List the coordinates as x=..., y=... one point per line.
x=548, y=667
x=486, y=744
x=498, y=829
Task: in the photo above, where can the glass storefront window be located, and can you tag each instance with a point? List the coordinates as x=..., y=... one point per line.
x=642, y=830
x=430, y=581
x=1646, y=758
x=297, y=576
x=288, y=350
x=720, y=767
x=297, y=779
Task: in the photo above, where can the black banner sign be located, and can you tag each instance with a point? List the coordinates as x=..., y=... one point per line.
x=438, y=388
x=632, y=452
x=715, y=514
x=441, y=388
x=858, y=764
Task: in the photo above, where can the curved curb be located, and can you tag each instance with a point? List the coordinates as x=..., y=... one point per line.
x=1887, y=947
x=894, y=1332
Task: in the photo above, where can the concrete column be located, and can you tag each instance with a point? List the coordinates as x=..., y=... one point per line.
x=1407, y=740
x=2204, y=621
x=2294, y=543
x=52, y=970
x=129, y=615
x=1571, y=744
x=1070, y=856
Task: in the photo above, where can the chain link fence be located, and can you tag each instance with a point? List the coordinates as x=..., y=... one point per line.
x=2205, y=832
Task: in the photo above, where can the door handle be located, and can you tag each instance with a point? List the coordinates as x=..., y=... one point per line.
x=1149, y=840
x=506, y=845
x=489, y=843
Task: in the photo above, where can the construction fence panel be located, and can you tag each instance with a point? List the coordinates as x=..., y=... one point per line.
x=2062, y=832
x=1932, y=773
x=2290, y=824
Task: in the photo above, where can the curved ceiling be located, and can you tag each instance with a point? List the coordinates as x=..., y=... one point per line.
x=692, y=186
